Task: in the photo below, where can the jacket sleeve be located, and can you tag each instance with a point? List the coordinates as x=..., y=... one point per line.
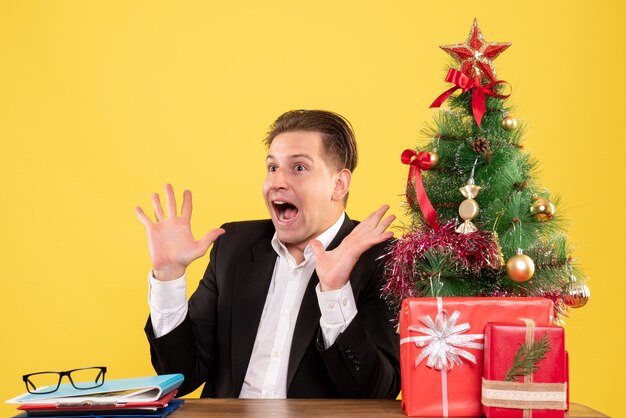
x=364, y=361
x=190, y=347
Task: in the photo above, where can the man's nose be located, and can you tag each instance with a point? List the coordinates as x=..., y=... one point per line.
x=278, y=179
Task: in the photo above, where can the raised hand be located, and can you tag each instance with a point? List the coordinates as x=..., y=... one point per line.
x=334, y=267
x=170, y=241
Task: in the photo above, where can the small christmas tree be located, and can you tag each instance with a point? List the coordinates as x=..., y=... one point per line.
x=481, y=225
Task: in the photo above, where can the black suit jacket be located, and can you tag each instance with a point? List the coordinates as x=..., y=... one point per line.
x=214, y=343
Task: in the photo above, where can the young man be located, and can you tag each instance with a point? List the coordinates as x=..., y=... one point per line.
x=288, y=307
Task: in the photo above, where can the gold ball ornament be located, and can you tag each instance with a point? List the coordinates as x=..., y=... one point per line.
x=434, y=158
x=509, y=123
x=520, y=267
x=542, y=208
x=576, y=294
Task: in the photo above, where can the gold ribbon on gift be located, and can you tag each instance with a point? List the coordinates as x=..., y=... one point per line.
x=525, y=395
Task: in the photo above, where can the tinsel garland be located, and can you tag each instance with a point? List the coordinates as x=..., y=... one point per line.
x=560, y=308
x=470, y=252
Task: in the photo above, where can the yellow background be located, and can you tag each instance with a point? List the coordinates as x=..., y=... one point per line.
x=102, y=102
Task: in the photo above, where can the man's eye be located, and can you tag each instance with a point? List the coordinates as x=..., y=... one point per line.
x=300, y=167
x=271, y=168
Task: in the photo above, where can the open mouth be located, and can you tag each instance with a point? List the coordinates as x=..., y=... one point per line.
x=284, y=211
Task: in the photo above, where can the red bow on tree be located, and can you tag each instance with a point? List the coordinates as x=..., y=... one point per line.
x=479, y=93
x=419, y=162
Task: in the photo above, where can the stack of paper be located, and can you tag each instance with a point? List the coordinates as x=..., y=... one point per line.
x=136, y=397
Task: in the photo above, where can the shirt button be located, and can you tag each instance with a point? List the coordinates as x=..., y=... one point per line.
x=285, y=312
x=268, y=394
x=344, y=302
x=331, y=305
x=277, y=353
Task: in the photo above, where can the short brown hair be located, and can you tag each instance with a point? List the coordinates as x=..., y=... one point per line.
x=337, y=135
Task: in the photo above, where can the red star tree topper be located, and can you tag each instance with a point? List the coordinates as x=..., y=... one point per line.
x=476, y=55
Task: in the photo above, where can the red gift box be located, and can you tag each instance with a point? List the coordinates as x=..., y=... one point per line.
x=543, y=392
x=441, y=355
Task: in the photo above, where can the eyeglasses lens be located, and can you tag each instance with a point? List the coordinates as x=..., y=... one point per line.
x=87, y=378
x=43, y=382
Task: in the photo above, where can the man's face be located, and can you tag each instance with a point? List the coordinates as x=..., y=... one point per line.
x=300, y=188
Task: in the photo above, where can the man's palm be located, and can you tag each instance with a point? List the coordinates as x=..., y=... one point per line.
x=170, y=240
x=334, y=267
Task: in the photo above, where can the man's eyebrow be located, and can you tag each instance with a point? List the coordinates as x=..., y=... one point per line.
x=292, y=157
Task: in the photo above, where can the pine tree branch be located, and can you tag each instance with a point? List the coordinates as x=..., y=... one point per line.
x=527, y=358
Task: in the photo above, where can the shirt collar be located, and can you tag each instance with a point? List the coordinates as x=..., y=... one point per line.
x=325, y=238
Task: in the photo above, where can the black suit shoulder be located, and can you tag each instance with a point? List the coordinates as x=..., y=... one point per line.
x=258, y=225
x=246, y=234
x=242, y=239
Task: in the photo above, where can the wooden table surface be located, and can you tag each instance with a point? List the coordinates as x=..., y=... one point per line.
x=196, y=408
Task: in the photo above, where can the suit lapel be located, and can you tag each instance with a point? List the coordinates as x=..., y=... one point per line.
x=309, y=315
x=252, y=280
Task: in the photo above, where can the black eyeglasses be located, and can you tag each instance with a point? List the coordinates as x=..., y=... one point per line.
x=48, y=382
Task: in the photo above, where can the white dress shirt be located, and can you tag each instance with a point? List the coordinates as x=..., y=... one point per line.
x=266, y=376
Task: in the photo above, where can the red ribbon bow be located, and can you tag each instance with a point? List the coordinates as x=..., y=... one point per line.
x=479, y=99
x=417, y=163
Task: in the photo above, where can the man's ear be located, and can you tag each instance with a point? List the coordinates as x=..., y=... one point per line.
x=342, y=184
